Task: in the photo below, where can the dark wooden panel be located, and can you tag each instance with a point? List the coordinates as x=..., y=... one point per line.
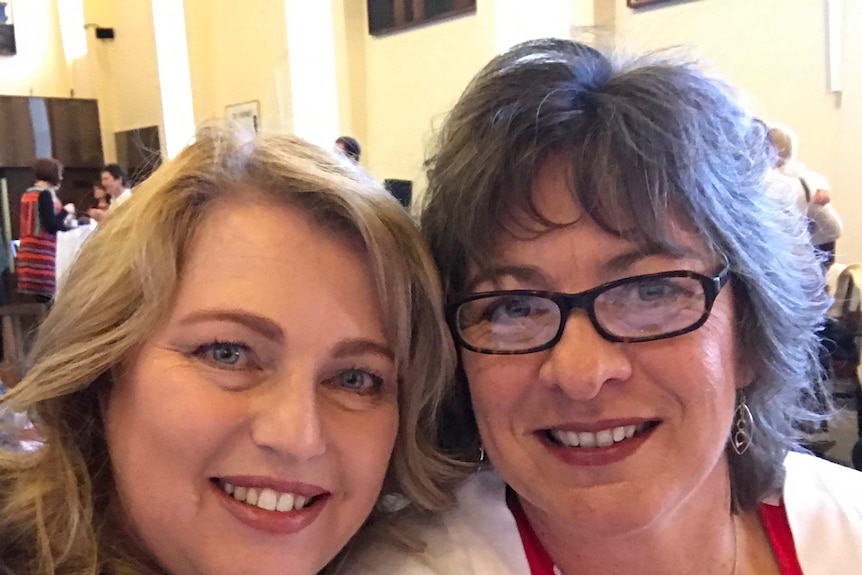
x=75, y=133
x=17, y=145
x=386, y=16
x=140, y=152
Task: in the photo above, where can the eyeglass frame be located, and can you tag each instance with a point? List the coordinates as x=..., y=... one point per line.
x=585, y=300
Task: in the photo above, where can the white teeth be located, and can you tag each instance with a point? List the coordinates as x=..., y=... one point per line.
x=268, y=499
x=586, y=439
x=285, y=502
x=603, y=438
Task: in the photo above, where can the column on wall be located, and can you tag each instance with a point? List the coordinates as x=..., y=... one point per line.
x=174, y=78
x=311, y=50
x=517, y=21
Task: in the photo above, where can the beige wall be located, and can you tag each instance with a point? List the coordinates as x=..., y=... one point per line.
x=847, y=171
x=124, y=70
x=39, y=68
x=135, y=71
x=412, y=79
x=775, y=52
x=238, y=53
x=349, y=18
x=393, y=90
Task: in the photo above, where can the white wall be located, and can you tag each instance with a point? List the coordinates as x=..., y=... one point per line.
x=775, y=52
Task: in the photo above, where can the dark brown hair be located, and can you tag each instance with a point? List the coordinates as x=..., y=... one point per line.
x=48, y=170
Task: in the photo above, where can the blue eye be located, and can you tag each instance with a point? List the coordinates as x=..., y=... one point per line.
x=508, y=309
x=224, y=354
x=358, y=381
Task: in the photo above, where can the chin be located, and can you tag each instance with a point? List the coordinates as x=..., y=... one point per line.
x=610, y=511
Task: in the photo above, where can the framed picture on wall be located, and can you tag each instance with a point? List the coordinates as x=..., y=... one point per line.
x=7, y=29
x=246, y=115
x=385, y=16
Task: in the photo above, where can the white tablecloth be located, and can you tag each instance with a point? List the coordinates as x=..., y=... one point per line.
x=68, y=245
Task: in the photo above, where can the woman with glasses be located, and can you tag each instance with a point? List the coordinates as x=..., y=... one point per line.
x=635, y=317
x=242, y=362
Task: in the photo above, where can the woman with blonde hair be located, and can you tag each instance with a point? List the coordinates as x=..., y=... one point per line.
x=227, y=371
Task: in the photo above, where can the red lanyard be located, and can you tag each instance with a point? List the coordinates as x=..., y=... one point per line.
x=537, y=557
x=774, y=518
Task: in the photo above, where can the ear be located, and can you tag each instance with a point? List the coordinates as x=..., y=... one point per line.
x=745, y=373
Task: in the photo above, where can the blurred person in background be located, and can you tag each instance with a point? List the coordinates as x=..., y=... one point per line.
x=42, y=216
x=349, y=146
x=811, y=191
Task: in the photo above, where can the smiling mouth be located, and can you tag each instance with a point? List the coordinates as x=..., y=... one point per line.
x=603, y=438
x=266, y=498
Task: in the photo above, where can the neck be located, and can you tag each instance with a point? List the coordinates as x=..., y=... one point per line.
x=44, y=184
x=697, y=536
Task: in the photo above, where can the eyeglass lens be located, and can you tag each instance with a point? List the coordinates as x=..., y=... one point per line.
x=641, y=308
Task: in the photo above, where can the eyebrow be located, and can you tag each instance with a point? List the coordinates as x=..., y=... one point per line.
x=531, y=274
x=525, y=274
x=359, y=346
x=262, y=325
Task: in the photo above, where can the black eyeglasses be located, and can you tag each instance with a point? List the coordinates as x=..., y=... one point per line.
x=635, y=309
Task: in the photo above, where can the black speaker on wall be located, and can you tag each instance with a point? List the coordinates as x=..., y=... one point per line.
x=401, y=189
x=105, y=33
x=7, y=40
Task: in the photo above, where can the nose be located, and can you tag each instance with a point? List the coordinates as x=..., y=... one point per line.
x=583, y=361
x=287, y=418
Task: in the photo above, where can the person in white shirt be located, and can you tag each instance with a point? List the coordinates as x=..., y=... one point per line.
x=115, y=181
x=811, y=191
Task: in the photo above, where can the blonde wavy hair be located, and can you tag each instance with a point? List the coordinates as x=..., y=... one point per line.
x=59, y=513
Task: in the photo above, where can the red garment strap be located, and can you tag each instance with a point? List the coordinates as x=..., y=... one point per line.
x=774, y=519
x=537, y=557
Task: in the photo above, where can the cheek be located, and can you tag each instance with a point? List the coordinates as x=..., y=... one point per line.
x=364, y=443
x=704, y=385
x=161, y=432
x=498, y=387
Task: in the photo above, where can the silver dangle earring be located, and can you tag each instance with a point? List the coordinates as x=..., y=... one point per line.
x=743, y=425
x=481, y=454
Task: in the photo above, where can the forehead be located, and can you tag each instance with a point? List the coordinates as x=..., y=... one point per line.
x=570, y=236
